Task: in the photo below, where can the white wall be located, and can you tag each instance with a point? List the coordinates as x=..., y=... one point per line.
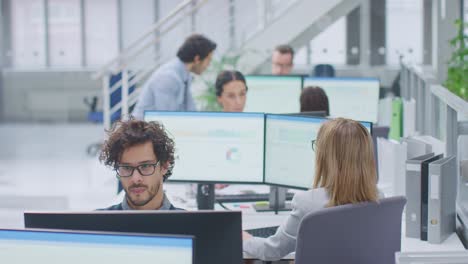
x=52, y=96
x=137, y=18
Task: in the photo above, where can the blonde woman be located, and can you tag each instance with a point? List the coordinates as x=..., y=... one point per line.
x=344, y=173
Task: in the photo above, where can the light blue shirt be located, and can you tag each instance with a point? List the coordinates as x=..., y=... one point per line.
x=167, y=89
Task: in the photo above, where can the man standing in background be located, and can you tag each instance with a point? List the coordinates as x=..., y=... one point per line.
x=169, y=87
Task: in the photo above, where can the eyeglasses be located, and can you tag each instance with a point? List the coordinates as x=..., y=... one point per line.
x=314, y=144
x=146, y=169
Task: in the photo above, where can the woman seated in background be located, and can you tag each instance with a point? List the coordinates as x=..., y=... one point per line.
x=344, y=173
x=314, y=98
x=231, y=91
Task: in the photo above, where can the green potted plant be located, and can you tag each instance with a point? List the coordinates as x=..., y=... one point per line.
x=457, y=75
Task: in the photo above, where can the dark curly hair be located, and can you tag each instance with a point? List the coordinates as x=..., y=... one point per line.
x=125, y=134
x=314, y=98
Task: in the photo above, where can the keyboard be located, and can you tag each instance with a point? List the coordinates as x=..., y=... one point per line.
x=263, y=232
x=251, y=197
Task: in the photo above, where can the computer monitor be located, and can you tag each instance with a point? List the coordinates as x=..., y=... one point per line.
x=310, y=113
x=273, y=93
x=355, y=98
x=289, y=158
x=74, y=247
x=217, y=233
x=215, y=146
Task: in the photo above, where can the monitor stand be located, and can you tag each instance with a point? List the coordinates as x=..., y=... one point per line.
x=205, y=196
x=277, y=201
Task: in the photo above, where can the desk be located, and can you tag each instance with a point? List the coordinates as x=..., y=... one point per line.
x=251, y=219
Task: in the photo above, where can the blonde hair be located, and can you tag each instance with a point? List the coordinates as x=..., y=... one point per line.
x=345, y=164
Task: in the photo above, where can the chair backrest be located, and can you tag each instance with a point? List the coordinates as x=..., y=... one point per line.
x=362, y=233
x=324, y=70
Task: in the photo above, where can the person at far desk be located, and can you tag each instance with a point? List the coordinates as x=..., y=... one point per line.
x=231, y=93
x=282, y=60
x=142, y=155
x=169, y=87
x=314, y=98
x=344, y=173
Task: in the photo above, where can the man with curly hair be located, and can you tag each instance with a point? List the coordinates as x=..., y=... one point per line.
x=142, y=154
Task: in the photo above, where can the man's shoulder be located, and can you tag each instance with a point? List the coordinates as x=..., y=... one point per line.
x=175, y=208
x=310, y=200
x=169, y=70
x=116, y=207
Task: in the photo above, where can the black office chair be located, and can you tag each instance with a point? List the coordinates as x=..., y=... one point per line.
x=324, y=70
x=365, y=233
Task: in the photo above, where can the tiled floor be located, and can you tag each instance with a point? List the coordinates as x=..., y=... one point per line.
x=48, y=167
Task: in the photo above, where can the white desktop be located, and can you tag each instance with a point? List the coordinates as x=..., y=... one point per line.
x=355, y=98
x=273, y=94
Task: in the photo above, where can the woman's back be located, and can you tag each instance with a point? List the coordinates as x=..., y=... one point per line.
x=344, y=173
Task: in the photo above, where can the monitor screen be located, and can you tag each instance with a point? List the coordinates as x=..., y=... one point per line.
x=355, y=98
x=309, y=113
x=215, y=146
x=289, y=158
x=273, y=94
x=217, y=233
x=44, y=247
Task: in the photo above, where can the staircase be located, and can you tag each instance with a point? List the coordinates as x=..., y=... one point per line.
x=235, y=25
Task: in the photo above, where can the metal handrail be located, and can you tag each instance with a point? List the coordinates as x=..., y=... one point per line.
x=124, y=54
x=156, y=40
x=122, y=62
x=450, y=99
x=136, y=76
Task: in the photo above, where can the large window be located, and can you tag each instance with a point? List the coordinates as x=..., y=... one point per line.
x=57, y=40
x=101, y=31
x=404, y=31
x=28, y=33
x=330, y=45
x=64, y=33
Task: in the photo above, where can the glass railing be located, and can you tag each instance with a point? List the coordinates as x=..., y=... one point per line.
x=443, y=115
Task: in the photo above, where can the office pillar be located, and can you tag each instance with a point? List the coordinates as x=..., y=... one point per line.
x=377, y=32
x=120, y=25
x=157, y=34
x=5, y=34
x=232, y=25
x=364, y=41
x=46, y=32
x=193, y=17
x=84, y=63
x=5, y=48
x=444, y=14
x=353, y=36
x=427, y=32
